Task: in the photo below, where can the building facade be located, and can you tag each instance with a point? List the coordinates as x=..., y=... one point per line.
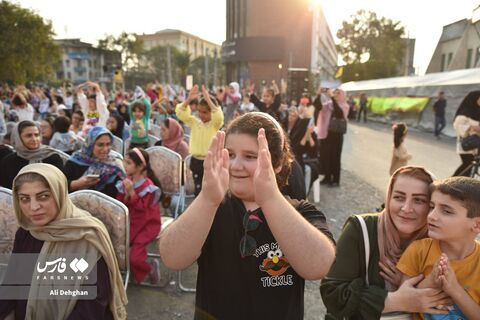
x=459, y=46
x=81, y=62
x=183, y=41
x=265, y=39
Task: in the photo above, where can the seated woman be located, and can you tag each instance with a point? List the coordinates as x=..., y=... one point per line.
x=345, y=291
x=116, y=125
x=93, y=167
x=52, y=225
x=172, y=136
x=26, y=140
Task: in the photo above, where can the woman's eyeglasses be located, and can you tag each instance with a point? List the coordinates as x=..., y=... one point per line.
x=248, y=244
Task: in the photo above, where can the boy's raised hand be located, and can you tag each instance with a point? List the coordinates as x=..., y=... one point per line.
x=265, y=181
x=216, y=175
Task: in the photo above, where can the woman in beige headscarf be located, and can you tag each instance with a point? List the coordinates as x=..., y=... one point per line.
x=345, y=291
x=50, y=224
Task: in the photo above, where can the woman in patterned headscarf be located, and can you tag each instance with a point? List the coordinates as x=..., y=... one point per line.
x=94, y=167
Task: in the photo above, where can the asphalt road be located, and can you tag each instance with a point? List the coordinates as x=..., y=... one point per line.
x=367, y=152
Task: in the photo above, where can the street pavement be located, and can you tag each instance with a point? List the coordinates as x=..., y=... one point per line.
x=367, y=152
x=365, y=161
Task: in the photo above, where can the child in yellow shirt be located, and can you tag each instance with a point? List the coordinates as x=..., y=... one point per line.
x=450, y=258
x=204, y=127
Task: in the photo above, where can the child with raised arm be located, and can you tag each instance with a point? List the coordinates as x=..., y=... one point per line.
x=204, y=126
x=449, y=258
x=139, y=112
x=94, y=107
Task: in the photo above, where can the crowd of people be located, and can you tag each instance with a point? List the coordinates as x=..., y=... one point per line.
x=250, y=228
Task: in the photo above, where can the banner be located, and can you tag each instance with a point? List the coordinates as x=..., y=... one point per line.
x=383, y=105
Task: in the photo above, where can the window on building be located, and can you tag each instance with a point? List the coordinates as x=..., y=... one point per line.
x=450, y=56
x=468, y=63
x=477, y=57
x=442, y=64
x=69, y=75
x=79, y=63
x=89, y=63
x=67, y=63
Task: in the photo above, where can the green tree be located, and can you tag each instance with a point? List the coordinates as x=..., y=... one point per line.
x=372, y=47
x=182, y=62
x=155, y=61
x=128, y=44
x=28, y=51
x=197, y=69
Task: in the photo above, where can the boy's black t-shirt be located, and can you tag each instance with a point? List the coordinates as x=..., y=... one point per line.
x=261, y=286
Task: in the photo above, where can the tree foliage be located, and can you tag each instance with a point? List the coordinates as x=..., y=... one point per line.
x=128, y=44
x=28, y=51
x=372, y=47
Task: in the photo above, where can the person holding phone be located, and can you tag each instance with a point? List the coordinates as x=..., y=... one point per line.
x=94, y=167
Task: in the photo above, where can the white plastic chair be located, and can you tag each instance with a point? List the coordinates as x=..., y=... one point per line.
x=117, y=144
x=8, y=226
x=114, y=216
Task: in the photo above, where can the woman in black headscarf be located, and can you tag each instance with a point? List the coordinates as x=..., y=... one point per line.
x=467, y=122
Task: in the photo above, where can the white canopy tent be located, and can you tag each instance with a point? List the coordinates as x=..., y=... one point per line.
x=456, y=85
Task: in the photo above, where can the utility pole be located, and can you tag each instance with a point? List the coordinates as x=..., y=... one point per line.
x=206, y=67
x=169, y=66
x=215, y=67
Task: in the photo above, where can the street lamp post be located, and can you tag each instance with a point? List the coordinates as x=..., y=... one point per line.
x=280, y=66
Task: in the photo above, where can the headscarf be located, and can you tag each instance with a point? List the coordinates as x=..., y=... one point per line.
x=72, y=231
x=125, y=115
x=234, y=97
x=109, y=169
x=175, y=134
x=389, y=243
x=33, y=156
x=328, y=106
x=120, y=125
x=469, y=106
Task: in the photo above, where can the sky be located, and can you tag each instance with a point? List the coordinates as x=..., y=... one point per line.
x=91, y=20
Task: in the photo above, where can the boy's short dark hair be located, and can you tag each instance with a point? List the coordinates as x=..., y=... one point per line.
x=463, y=189
x=61, y=124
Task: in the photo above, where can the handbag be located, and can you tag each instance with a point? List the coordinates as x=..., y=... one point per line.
x=337, y=125
x=470, y=142
x=366, y=241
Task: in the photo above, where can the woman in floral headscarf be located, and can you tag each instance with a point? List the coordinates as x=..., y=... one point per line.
x=94, y=167
x=345, y=291
x=52, y=226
